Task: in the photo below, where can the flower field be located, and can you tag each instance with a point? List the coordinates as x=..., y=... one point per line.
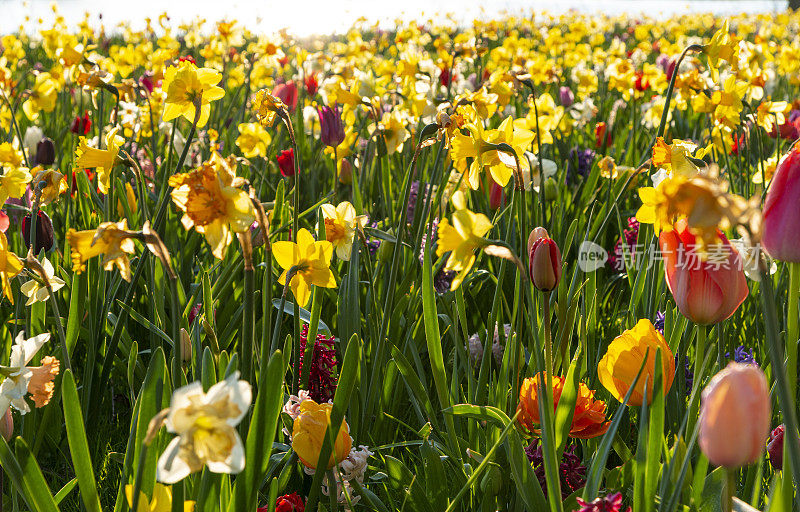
x=526, y=264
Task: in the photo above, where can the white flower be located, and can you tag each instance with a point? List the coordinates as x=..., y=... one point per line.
x=32, y=137
x=550, y=169
x=15, y=386
x=205, y=425
x=36, y=291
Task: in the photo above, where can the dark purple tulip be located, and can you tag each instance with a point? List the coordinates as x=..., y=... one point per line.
x=45, y=238
x=45, y=152
x=330, y=122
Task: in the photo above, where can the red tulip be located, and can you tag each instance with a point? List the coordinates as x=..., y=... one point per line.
x=706, y=292
x=287, y=92
x=781, y=222
x=312, y=84
x=544, y=260
x=286, y=162
x=496, y=196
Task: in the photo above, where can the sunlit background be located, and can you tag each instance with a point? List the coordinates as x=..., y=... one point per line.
x=305, y=17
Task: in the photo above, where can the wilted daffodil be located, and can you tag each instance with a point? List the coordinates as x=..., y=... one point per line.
x=112, y=240
x=341, y=223
x=619, y=366
x=35, y=289
x=10, y=266
x=188, y=85
x=102, y=159
x=266, y=107
x=212, y=201
x=160, y=502
x=51, y=183
x=588, y=420
x=22, y=379
x=205, y=424
x=311, y=260
x=253, y=140
x=308, y=435
x=461, y=236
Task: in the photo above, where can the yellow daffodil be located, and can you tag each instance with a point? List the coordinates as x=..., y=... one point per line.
x=312, y=261
x=130, y=197
x=160, y=502
x=205, y=424
x=464, y=147
x=36, y=291
x=212, y=202
x=721, y=47
x=770, y=114
x=186, y=85
x=624, y=357
x=393, y=129
x=502, y=165
x=10, y=266
x=461, y=237
x=341, y=223
x=112, y=240
x=14, y=183
x=10, y=155
x=253, y=140
x=42, y=97
x=308, y=435
x=675, y=157
x=103, y=160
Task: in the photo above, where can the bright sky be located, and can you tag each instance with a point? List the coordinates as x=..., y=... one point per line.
x=304, y=17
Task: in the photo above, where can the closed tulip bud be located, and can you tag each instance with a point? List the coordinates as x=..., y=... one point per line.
x=45, y=238
x=544, y=260
x=734, y=416
x=330, y=121
x=775, y=447
x=496, y=196
x=566, y=96
x=7, y=425
x=286, y=162
x=706, y=291
x=308, y=434
x=287, y=93
x=45, y=152
x=186, y=346
x=345, y=172
x=781, y=222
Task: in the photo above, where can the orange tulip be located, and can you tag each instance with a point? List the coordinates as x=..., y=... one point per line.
x=588, y=421
x=706, y=291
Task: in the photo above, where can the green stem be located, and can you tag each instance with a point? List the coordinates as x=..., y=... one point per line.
x=177, y=348
x=137, y=483
x=62, y=338
x=730, y=490
x=792, y=316
x=548, y=343
x=699, y=358
x=248, y=328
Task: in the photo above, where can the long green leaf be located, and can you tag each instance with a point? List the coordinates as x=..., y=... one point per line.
x=78, y=446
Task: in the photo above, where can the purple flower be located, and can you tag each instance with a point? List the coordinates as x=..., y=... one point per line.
x=330, y=121
x=572, y=472
x=659, y=323
x=414, y=198
x=617, y=259
x=610, y=503
x=566, y=96
x=579, y=161
x=443, y=278
x=742, y=355
x=322, y=375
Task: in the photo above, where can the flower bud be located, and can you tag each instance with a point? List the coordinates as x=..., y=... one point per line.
x=345, y=172
x=544, y=260
x=7, y=425
x=780, y=222
x=287, y=93
x=775, y=447
x=186, y=346
x=45, y=152
x=308, y=434
x=45, y=238
x=286, y=162
x=734, y=416
x=330, y=121
x=496, y=196
x=566, y=96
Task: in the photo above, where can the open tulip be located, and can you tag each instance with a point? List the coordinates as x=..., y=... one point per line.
x=734, y=416
x=706, y=291
x=544, y=260
x=308, y=434
x=589, y=419
x=781, y=223
x=620, y=365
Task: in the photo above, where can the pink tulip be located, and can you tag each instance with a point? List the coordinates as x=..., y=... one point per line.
x=706, y=292
x=287, y=92
x=781, y=215
x=734, y=416
x=544, y=260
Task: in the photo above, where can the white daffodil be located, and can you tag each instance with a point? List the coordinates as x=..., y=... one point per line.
x=36, y=291
x=205, y=424
x=549, y=166
x=19, y=375
x=340, y=227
